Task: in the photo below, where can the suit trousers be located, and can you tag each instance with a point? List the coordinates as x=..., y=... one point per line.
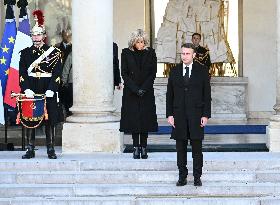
x=181, y=148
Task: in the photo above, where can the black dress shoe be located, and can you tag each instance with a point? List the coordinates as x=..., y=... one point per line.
x=51, y=153
x=181, y=182
x=136, y=153
x=30, y=153
x=144, y=154
x=197, y=181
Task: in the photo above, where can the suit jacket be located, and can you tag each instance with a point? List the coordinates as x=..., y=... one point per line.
x=64, y=51
x=196, y=102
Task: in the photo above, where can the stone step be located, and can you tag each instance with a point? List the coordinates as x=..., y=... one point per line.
x=15, y=137
x=209, y=189
x=220, y=139
x=69, y=201
x=209, y=139
x=126, y=177
x=228, y=179
x=178, y=200
x=213, y=161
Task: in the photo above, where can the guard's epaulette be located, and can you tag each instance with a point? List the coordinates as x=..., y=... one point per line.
x=198, y=62
x=58, y=51
x=57, y=48
x=25, y=49
x=206, y=48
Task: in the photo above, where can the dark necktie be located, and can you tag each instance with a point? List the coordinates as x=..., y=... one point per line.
x=186, y=76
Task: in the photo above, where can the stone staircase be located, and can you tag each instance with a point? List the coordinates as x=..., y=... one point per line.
x=228, y=179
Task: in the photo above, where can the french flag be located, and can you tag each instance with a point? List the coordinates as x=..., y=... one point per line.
x=23, y=40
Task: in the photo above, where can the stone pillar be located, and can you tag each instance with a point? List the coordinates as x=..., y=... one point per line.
x=273, y=128
x=93, y=127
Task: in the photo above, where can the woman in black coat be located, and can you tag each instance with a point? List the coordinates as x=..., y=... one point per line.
x=138, y=112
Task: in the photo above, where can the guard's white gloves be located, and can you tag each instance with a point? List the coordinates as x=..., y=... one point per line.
x=49, y=94
x=29, y=93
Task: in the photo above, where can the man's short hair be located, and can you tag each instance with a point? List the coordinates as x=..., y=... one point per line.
x=66, y=31
x=196, y=34
x=188, y=45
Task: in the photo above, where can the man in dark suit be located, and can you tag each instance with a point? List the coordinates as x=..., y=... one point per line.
x=65, y=46
x=188, y=108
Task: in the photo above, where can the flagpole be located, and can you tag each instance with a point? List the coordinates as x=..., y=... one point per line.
x=23, y=138
x=6, y=124
x=6, y=51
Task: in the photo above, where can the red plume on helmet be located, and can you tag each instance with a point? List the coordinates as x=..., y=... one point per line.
x=38, y=28
x=38, y=14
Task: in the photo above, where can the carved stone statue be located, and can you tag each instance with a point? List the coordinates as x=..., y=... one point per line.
x=183, y=18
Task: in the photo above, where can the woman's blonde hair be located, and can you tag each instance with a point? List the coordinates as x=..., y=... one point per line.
x=135, y=36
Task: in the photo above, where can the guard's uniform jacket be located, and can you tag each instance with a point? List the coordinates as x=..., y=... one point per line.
x=45, y=76
x=203, y=56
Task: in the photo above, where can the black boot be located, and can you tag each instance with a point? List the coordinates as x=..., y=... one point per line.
x=183, y=173
x=197, y=181
x=51, y=152
x=144, y=154
x=136, y=153
x=49, y=130
x=30, y=153
x=30, y=138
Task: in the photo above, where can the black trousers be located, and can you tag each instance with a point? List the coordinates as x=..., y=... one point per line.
x=50, y=135
x=143, y=139
x=181, y=148
x=66, y=96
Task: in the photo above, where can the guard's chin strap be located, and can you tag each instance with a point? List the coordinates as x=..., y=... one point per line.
x=38, y=45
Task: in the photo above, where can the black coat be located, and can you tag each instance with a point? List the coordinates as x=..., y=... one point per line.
x=138, y=114
x=51, y=64
x=117, y=77
x=197, y=101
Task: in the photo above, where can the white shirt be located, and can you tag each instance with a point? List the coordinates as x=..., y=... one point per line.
x=190, y=69
x=66, y=44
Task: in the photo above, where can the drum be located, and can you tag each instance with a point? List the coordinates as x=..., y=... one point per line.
x=32, y=111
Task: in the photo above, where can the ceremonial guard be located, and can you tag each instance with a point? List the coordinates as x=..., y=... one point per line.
x=39, y=73
x=202, y=53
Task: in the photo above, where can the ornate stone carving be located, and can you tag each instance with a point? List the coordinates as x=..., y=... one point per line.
x=184, y=17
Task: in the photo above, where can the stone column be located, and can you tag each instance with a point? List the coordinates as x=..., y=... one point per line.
x=273, y=128
x=93, y=126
